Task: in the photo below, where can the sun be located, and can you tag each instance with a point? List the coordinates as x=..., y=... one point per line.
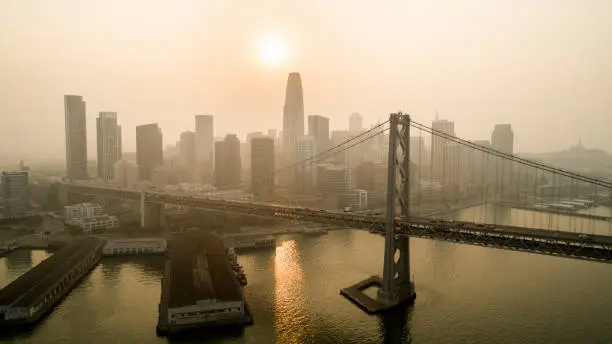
x=272, y=50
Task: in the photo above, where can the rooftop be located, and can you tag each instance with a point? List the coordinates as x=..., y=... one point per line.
x=30, y=286
x=200, y=270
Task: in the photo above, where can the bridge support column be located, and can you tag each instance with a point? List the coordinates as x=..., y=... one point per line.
x=395, y=286
x=142, y=209
x=154, y=216
x=62, y=194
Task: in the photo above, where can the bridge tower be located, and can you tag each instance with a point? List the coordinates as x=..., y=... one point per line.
x=395, y=286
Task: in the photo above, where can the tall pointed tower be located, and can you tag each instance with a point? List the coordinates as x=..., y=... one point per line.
x=293, y=124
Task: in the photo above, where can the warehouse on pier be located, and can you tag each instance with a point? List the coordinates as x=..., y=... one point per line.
x=199, y=287
x=29, y=297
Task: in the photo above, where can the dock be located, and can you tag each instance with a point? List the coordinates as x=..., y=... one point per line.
x=251, y=243
x=28, y=298
x=556, y=211
x=199, y=288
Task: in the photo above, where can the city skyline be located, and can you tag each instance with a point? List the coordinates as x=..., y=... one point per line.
x=294, y=172
x=243, y=135
x=109, y=143
x=478, y=68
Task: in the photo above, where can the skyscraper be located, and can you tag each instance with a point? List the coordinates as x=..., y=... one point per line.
x=272, y=134
x=76, y=137
x=109, y=144
x=149, y=149
x=14, y=193
x=318, y=128
x=187, y=151
x=418, y=152
x=502, y=138
x=228, y=165
x=440, y=149
x=355, y=122
x=481, y=164
x=293, y=113
x=125, y=174
x=204, y=147
x=262, y=165
x=245, y=149
x=304, y=174
x=338, y=137
x=204, y=141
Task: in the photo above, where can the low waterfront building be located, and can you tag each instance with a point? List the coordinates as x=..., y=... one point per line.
x=77, y=211
x=232, y=195
x=135, y=246
x=92, y=224
x=29, y=297
x=89, y=217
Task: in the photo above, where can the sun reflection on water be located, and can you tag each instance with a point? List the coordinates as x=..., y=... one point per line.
x=292, y=312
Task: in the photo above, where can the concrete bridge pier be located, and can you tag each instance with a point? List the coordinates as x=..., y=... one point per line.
x=152, y=215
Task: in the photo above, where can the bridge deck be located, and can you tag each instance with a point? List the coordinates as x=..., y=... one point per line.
x=541, y=241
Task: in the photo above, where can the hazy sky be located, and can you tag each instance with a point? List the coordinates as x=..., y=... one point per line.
x=545, y=66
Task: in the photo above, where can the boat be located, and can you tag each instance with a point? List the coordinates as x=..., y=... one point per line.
x=242, y=279
x=314, y=231
x=267, y=242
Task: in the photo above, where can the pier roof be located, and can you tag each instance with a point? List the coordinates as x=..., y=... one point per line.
x=210, y=279
x=32, y=285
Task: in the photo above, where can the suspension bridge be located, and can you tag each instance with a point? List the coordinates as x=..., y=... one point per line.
x=424, y=185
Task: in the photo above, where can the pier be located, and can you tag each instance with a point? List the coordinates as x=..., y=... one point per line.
x=199, y=288
x=28, y=298
x=557, y=211
x=134, y=246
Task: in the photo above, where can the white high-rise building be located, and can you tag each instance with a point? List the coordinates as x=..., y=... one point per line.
x=109, y=144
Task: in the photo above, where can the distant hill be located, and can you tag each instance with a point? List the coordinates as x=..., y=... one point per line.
x=595, y=162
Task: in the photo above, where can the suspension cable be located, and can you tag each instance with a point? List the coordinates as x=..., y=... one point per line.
x=326, y=154
x=512, y=157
